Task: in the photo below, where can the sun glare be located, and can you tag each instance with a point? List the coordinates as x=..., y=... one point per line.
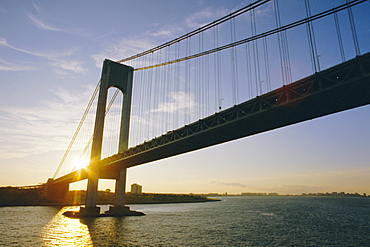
x=81, y=163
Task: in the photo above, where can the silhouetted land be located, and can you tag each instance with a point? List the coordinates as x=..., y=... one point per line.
x=332, y=194
x=33, y=196
x=13, y=196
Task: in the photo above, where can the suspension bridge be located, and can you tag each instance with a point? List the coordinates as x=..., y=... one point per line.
x=256, y=69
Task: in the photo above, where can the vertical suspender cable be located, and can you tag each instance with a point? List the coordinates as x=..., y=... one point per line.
x=202, y=79
x=339, y=35
x=145, y=100
x=172, y=89
x=353, y=29
x=215, y=72
x=234, y=65
x=160, y=94
x=166, y=88
x=177, y=82
x=311, y=38
x=200, y=75
x=248, y=69
x=236, y=70
x=162, y=97
x=218, y=74
x=156, y=76
x=149, y=83
x=283, y=49
x=206, y=83
x=207, y=88
x=278, y=25
x=232, y=59
x=255, y=53
x=267, y=68
x=288, y=72
x=187, y=81
x=141, y=104
x=196, y=74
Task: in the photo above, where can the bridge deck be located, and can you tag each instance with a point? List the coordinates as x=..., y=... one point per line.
x=336, y=89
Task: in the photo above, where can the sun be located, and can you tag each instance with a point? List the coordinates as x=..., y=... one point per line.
x=80, y=163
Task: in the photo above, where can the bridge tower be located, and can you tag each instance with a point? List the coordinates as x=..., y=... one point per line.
x=121, y=77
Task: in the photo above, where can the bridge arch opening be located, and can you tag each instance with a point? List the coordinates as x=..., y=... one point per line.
x=113, y=115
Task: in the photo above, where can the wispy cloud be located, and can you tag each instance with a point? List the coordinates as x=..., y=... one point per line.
x=52, y=54
x=46, y=126
x=134, y=45
x=39, y=21
x=7, y=66
x=65, y=66
x=123, y=48
x=59, y=63
x=37, y=7
x=42, y=24
x=167, y=31
x=204, y=16
x=177, y=101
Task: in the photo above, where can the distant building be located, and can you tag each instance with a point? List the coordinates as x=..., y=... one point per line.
x=136, y=189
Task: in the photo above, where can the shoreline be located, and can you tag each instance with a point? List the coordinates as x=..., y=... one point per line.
x=60, y=204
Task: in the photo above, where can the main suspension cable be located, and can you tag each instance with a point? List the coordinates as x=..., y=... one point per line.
x=78, y=129
x=199, y=30
x=261, y=35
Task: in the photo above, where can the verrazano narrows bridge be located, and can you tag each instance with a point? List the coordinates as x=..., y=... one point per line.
x=256, y=69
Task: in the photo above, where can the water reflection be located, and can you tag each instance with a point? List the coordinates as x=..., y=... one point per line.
x=239, y=221
x=110, y=231
x=64, y=231
x=103, y=231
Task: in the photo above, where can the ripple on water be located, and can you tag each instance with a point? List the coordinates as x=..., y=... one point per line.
x=235, y=221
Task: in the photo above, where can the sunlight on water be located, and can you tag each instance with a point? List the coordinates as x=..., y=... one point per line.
x=234, y=221
x=64, y=231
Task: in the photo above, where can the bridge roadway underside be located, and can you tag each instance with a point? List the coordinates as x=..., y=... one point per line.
x=339, y=88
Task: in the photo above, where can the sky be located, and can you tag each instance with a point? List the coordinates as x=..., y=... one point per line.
x=51, y=55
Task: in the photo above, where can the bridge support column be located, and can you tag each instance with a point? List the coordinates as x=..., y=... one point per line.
x=90, y=208
x=121, y=188
x=119, y=207
x=113, y=75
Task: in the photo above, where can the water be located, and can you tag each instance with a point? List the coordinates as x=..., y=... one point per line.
x=235, y=221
